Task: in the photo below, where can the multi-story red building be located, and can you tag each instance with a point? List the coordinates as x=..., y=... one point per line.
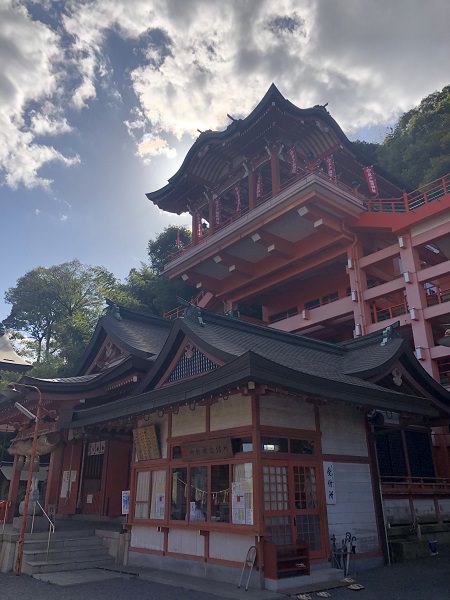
x=291, y=226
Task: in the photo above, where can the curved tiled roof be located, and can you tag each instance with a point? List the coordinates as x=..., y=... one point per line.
x=9, y=359
x=209, y=158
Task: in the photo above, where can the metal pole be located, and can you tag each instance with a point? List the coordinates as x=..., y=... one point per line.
x=23, y=525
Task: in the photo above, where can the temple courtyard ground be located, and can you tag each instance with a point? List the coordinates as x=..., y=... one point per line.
x=425, y=579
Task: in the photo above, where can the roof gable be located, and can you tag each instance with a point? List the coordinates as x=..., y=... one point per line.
x=130, y=332
x=190, y=361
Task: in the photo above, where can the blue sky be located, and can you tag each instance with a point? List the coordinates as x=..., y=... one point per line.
x=100, y=101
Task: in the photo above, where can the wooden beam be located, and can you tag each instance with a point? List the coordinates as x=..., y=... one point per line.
x=234, y=264
x=274, y=244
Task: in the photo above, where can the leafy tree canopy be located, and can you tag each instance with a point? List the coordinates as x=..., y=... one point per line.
x=57, y=308
x=418, y=149
x=168, y=242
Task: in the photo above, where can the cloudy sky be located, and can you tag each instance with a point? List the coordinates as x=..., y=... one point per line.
x=101, y=99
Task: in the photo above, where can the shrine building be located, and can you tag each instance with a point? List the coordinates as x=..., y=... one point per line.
x=296, y=400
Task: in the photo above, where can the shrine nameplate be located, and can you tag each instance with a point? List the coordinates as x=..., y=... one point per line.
x=207, y=449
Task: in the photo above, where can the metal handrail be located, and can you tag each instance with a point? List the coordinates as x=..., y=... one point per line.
x=51, y=526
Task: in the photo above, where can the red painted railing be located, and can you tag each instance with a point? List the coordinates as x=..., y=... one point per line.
x=411, y=201
x=383, y=314
x=438, y=297
x=408, y=202
x=415, y=485
x=444, y=371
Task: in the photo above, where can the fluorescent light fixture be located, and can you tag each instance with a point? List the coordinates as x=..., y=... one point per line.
x=413, y=314
x=402, y=242
x=25, y=411
x=420, y=354
x=354, y=295
x=407, y=277
x=432, y=248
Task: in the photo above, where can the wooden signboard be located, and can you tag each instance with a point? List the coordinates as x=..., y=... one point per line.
x=146, y=443
x=207, y=450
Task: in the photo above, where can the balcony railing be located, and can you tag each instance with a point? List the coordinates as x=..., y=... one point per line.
x=411, y=201
x=444, y=371
x=383, y=314
x=415, y=485
x=302, y=174
x=438, y=296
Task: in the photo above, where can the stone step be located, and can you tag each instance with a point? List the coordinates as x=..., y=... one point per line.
x=63, y=543
x=70, y=553
x=59, y=534
x=52, y=566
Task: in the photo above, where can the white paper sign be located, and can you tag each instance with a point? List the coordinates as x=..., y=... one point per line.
x=330, y=482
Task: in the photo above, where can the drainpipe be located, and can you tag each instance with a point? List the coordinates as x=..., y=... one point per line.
x=80, y=483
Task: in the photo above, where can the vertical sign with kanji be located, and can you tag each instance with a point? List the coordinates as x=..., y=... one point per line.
x=330, y=483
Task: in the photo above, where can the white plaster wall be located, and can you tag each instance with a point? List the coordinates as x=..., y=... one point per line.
x=343, y=431
x=444, y=508
x=188, y=421
x=354, y=510
x=146, y=537
x=162, y=426
x=424, y=509
x=397, y=511
x=429, y=224
x=186, y=541
x=228, y=546
x=234, y=412
x=279, y=411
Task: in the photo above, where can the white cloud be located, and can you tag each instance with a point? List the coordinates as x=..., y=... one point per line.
x=369, y=60
x=29, y=73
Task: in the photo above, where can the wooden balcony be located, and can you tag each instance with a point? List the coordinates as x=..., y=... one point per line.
x=415, y=486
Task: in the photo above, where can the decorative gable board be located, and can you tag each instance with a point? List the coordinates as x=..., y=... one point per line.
x=191, y=362
x=108, y=355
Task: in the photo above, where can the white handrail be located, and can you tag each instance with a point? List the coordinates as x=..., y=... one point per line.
x=51, y=526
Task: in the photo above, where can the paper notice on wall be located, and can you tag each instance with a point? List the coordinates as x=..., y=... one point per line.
x=237, y=504
x=65, y=484
x=68, y=478
x=160, y=504
x=125, y=502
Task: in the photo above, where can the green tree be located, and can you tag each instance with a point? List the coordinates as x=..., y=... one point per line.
x=58, y=307
x=166, y=244
x=154, y=294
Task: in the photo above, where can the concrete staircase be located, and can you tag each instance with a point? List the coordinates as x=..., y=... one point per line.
x=68, y=551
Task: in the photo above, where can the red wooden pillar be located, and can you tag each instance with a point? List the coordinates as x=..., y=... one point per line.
x=13, y=501
x=195, y=227
x=251, y=190
x=275, y=168
x=54, y=477
x=212, y=215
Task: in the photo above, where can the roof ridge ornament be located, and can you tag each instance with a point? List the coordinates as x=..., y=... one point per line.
x=113, y=309
x=192, y=311
x=387, y=335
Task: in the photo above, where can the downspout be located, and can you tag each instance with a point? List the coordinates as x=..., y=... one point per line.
x=360, y=299
x=80, y=486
